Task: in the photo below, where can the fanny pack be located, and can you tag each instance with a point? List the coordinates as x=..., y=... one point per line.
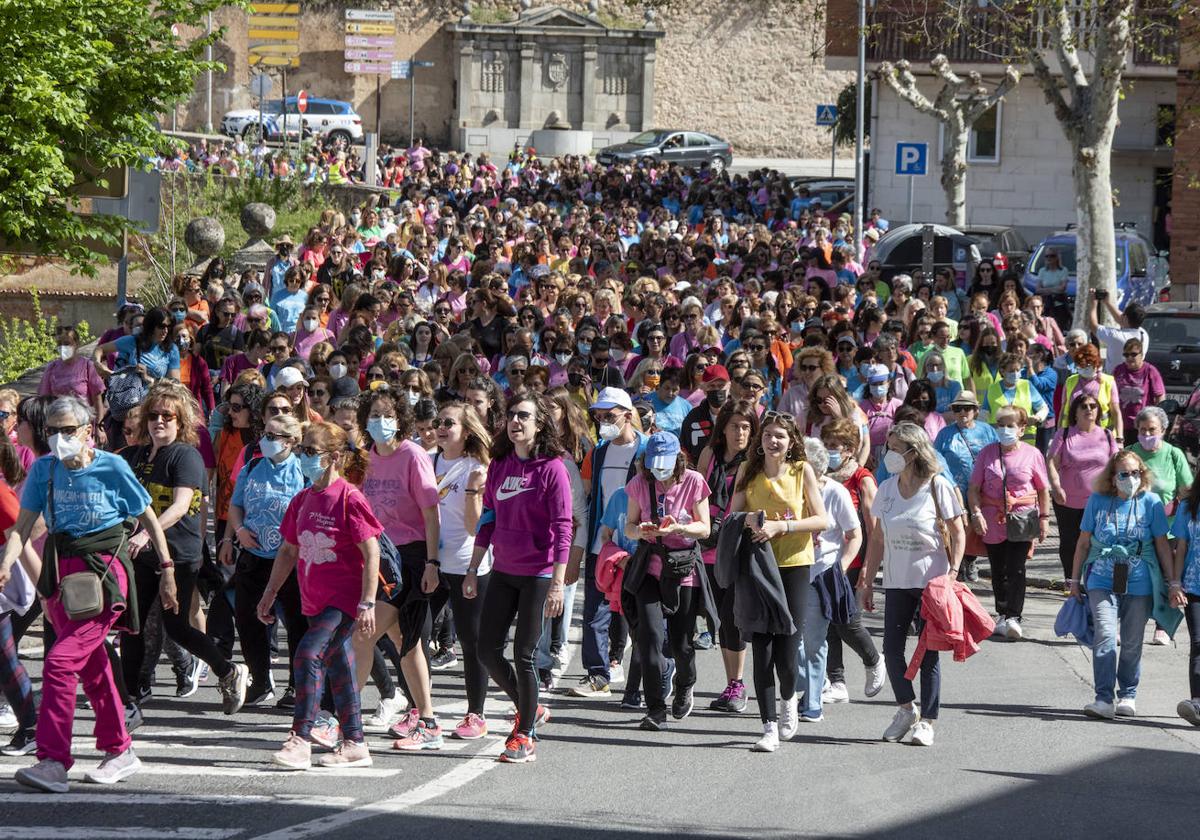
x=81, y=594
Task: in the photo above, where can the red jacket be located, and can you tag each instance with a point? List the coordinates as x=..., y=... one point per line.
x=609, y=575
x=954, y=620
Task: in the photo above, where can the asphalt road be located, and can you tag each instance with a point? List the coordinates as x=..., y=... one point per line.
x=1014, y=758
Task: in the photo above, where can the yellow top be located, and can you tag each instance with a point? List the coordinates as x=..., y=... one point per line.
x=783, y=498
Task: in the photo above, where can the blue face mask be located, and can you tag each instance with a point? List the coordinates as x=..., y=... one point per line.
x=835, y=458
x=1007, y=435
x=382, y=429
x=797, y=326
x=310, y=465
x=879, y=390
x=584, y=348
x=935, y=376
x=1010, y=379
x=178, y=315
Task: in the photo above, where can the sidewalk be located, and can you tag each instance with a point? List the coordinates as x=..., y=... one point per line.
x=1043, y=570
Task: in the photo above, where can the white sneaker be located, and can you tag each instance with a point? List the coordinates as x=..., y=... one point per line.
x=1012, y=630
x=560, y=660
x=875, y=678
x=835, y=693
x=902, y=723
x=1001, y=627
x=8, y=720
x=616, y=674
x=788, y=718
x=1126, y=707
x=1160, y=638
x=114, y=768
x=1189, y=710
x=390, y=708
x=922, y=734
x=769, y=742
x=1100, y=709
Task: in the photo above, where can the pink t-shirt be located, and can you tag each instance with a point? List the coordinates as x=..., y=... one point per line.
x=304, y=341
x=1137, y=389
x=679, y=501
x=75, y=377
x=327, y=525
x=1081, y=457
x=399, y=486
x=1026, y=471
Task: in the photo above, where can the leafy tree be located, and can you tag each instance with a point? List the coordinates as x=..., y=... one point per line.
x=85, y=81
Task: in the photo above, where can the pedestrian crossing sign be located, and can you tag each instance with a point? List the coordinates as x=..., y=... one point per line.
x=826, y=114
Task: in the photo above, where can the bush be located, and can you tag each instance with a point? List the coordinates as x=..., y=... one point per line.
x=26, y=345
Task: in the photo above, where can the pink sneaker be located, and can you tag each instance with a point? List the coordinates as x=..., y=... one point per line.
x=296, y=753
x=326, y=731
x=348, y=754
x=406, y=724
x=422, y=737
x=473, y=726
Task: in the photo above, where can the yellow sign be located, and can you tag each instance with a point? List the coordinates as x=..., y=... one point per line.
x=274, y=35
x=370, y=29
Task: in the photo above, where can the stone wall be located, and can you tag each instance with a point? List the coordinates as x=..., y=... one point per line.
x=742, y=69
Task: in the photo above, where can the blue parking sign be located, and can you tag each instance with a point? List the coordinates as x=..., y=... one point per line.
x=912, y=158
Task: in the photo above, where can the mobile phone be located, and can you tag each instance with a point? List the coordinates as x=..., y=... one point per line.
x=1120, y=578
x=760, y=519
x=1101, y=294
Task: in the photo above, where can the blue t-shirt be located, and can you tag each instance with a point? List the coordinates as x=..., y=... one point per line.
x=264, y=496
x=1131, y=524
x=1186, y=527
x=86, y=501
x=614, y=517
x=289, y=307
x=670, y=417
x=960, y=447
x=157, y=361
x=946, y=394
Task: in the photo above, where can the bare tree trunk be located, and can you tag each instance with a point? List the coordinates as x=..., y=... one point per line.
x=1096, y=247
x=954, y=171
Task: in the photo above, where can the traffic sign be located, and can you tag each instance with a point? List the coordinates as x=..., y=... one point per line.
x=422, y=64
x=370, y=29
x=302, y=101
x=261, y=85
x=912, y=158
x=368, y=68
x=826, y=114
x=369, y=55
x=360, y=41
x=401, y=69
x=274, y=34
x=371, y=15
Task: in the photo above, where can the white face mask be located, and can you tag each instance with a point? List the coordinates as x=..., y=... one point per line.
x=65, y=447
x=337, y=371
x=1007, y=435
x=663, y=473
x=311, y=324
x=609, y=431
x=65, y=351
x=1126, y=486
x=1087, y=372
x=412, y=396
x=894, y=461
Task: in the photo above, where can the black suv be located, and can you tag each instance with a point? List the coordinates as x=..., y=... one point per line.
x=1174, y=331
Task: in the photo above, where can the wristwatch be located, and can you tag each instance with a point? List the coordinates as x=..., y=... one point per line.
x=433, y=562
x=366, y=605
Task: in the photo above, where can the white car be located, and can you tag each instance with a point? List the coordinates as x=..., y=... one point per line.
x=332, y=119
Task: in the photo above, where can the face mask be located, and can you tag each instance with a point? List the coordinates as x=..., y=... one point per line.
x=990, y=350
x=664, y=473
x=337, y=371
x=382, y=429
x=562, y=358
x=65, y=447
x=377, y=275
x=178, y=316
x=879, y=391
x=797, y=326
x=1150, y=442
x=894, y=462
x=1007, y=435
x=1010, y=379
x=618, y=355
x=1087, y=372
x=65, y=351
x=935, y=376
x=183, y=342
x=412, y=396
x=271, y=448
x=835, y=458
x=716, y=399
x=1126, y=486
x=651, y=380
x=584, y=348
x=862, y=371
x=310, y=465
x=311, y=324
x=609, y=431
x=136, y=330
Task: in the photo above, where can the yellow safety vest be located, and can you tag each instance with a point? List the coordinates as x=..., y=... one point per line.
x=1107, y=383
x=1023, y=398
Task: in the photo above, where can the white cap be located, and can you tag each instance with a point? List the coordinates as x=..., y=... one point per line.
x=613, y=398
x=288, y=377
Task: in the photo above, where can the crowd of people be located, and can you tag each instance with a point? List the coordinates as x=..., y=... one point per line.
x=694, y=396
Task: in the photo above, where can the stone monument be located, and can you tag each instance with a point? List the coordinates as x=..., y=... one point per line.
x=205, y=238
x=258, y=220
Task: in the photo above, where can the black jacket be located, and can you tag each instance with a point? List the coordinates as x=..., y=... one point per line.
x=759, y=602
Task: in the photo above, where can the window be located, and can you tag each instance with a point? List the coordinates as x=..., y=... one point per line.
x=1137, y=259
x=696, y=140
x=984, y=144
x=319, y=109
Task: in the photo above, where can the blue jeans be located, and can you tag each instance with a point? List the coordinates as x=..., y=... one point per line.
x=596, y=618
x=810, y=659
x=1110, y=613
x=543, y=660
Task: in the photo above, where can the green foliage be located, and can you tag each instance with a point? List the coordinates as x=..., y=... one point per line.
x=85, y=81
x=25, y=345
x=847, y=101
x=486, y=15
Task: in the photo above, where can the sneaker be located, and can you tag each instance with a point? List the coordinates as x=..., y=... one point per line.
x=787, y=718
x=8, y=720
x=704, y=641
x=1189, y=710
x=114, y=768
x=732, y=699
x=473, y=726
x=835, y=693
x=632, y=700
x=560, y=659
x=769, y=742
x=1126, y=707
x=258, y=697
x=348, y=754
x=1160, y=638
x=203, y=675
x=902, y=723
x=650, y=723
x=1100, y=709
x=389, y=709
x=922, y=734
x=48, y=775
x=547, y=682
x=876, y=674
x=970, y=571
x=188, y=682
x=23, y=743
x=683, y=704
x=326, y=730
x=233, y=689
x=406, y=724
x=133, y=718
x=805, y=717
x=593, y=685
x=287, y=700
x=422, y=737
x=295, y=755
x=1001, y=630
x=541, y=716
x=518, y=749
x=1013, y=631
x=443, y=659
x=616, y=674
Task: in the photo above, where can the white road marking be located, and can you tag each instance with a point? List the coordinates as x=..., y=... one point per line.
x=135, y=799
x=97, y=832
x=7, y=770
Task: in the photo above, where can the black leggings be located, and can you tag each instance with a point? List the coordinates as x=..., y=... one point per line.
x=777, y=654
x=249, y=583
x=730, y=636
x=852, y=633
x=1192, y=613
x=466, y=613
x=1008, y=560
x=648, y=636
x=521, y=598
x=176, y=624
x=1069, y=520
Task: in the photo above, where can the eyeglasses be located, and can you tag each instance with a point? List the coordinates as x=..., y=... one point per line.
x=165, y=416
x=236, y=407
x=280, y=438
x=756, y=348
x=520, y=415
x=310, y=451
x=1129, y=474
x=276, y=410
x=655, y=338
x=443, y=423
x=771, y=416
x=810, y=368
x=51, y=431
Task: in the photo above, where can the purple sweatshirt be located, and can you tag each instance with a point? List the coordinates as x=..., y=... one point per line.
x=531, y=500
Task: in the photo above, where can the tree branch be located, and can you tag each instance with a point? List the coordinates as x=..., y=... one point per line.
x=901, y=80
x=982, y=105
x=1065, y=38
x=1063, y=112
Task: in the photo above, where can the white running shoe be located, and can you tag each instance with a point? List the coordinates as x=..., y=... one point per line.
x=1100, y=709
x=1013, y=631
x=1126, y=707
x=876, y=675
x=902, y=724
x=835, y=693
x=8, y=720
x=769, y=742
x=789, y=718
x=922, y=734
x=390, y=708
x=114, y=768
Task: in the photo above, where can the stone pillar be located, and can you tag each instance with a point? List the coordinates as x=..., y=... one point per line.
x=588, y=86
x=647, y=89
x=527, y=80
x=467, y=84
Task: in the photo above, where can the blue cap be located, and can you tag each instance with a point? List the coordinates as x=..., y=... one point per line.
x=662, y=450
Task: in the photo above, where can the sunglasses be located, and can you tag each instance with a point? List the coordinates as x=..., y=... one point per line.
x=962, y=409
x=165, y=416
x=444, y=423
x=441, y=312
x=51, y=431
x=276, y=410
x=1089, y=407
x=523, y=416
x=278, y=438
x=310, y=451
x=770, y=416
x=756, y=348
x=1133, y=355
x=517, y=371
x=1129, y=474
x=236, y=407
x=178, y=309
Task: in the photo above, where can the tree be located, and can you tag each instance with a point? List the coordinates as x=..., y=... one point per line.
x=85, y=81
x=847, y=110
x=958, y=106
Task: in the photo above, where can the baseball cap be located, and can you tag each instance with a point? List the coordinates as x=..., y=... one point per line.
x=714, y=373
x=288, y=377
x=877, y=374
x=344, y=387
x=662, y=450
x=613, y=398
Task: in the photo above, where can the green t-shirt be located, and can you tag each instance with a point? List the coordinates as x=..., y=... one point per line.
x=1170, y=467
x=956, y=363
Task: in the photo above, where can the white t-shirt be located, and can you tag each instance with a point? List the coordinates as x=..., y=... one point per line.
x=1113, y=339
x=455, y=544
x=613, y=477
x=913, y=552
x=840, y=508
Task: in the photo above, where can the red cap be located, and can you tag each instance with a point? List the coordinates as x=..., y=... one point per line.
x=712, y=373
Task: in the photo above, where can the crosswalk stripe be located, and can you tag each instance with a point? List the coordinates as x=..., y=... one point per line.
x=134, y=799
x=7, y=771
x=97, y=832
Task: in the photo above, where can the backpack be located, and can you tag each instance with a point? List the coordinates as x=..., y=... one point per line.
x=126, y=390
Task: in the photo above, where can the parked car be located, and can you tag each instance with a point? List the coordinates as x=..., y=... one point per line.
x=1174, y=330
x=688, y=148
x=900, y=251
x=332, y=119
x=1004, y=246
x=832, y=192
x=1142, y=272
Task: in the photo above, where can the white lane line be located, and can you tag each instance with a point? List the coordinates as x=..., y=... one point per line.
x=97, y=832
x=158, y=799
x=463, y=774
x=7, y=770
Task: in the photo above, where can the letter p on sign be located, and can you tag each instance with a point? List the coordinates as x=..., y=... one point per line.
x=912, y=158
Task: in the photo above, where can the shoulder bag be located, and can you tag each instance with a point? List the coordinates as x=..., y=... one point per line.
x=80, y=593
x=1019, y=525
